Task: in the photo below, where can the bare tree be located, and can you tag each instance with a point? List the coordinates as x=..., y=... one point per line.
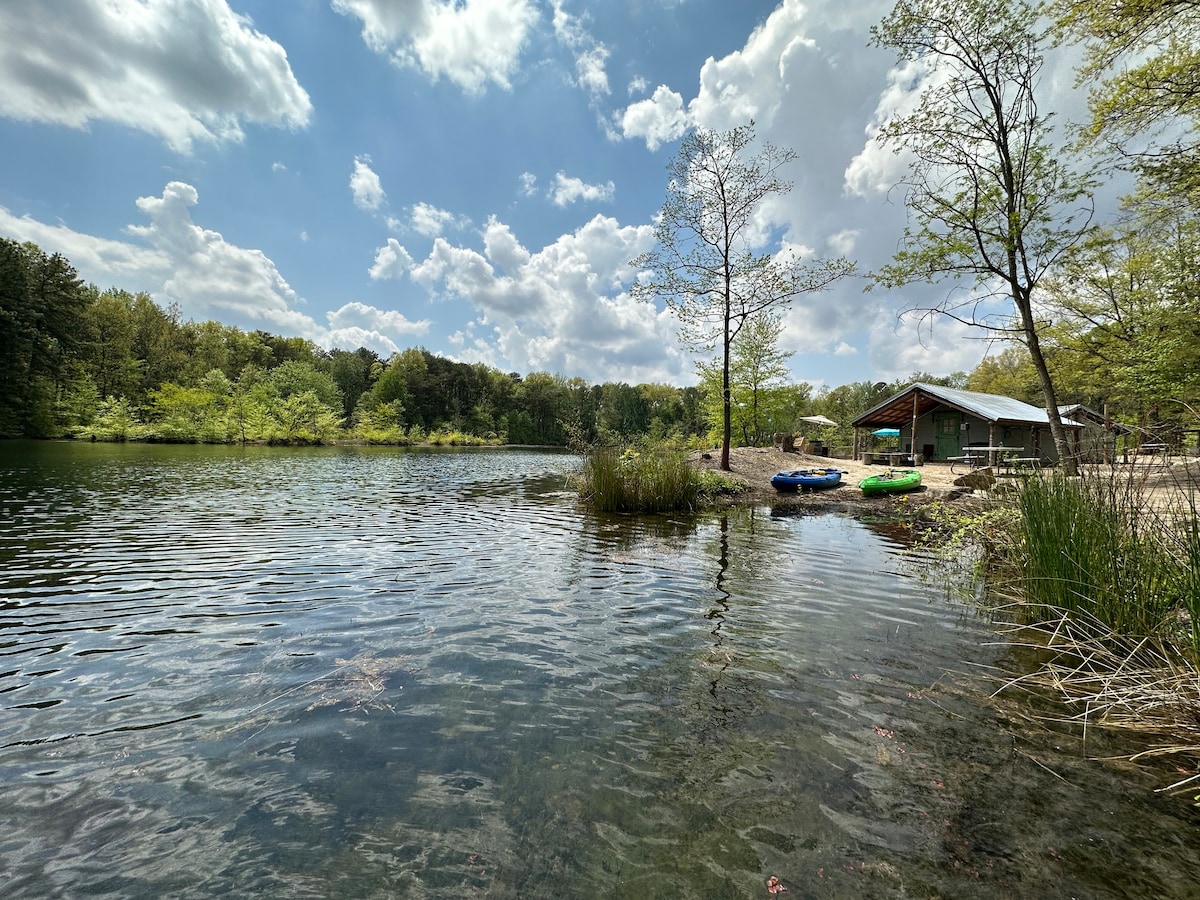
x=706, y=265
x=990, y=198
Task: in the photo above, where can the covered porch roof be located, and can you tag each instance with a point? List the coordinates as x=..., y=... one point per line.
x=899, y=409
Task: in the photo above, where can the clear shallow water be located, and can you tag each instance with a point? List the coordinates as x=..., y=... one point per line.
x=380, y=673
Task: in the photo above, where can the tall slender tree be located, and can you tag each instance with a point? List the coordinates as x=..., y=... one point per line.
x=991, y=199
x=708, y=265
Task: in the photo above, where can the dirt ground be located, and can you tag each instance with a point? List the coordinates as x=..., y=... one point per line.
x=754, y=466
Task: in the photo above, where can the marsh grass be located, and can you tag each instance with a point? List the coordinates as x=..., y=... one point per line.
x=1094, y=545
x=1108, y=585
x=650, y=478
x=655, y=480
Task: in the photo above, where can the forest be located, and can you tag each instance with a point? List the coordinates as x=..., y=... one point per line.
x=82, y=362
x=78, y=361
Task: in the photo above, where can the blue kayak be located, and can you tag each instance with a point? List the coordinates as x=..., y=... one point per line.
x=807, y=479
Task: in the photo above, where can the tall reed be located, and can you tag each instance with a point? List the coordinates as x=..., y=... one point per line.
x=1094, y=545
x=652, y=480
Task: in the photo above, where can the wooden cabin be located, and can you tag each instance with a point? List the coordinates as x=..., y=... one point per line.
x=945, y=422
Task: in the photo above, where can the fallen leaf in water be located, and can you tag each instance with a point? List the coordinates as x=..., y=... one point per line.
x=774, y=885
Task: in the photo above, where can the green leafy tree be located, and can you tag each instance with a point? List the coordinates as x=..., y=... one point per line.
x=248, y=410
x=107, y=354
x=42, y=309
x=304, y=418
x=757, y=371
x=544, y=399
x=351, y=372
x=708, y=265
x=990, y=198
x=159, y=344
x=115, y=420
x=1008, y=373
x=622, y=411
x=760, y=367
x=1127, y=310
x=187, y=414
x=295, y=377
x=1143, y=62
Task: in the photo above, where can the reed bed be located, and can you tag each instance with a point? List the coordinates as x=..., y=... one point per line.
x=1146, y=685
x=647, y=480
x=1108, y=585
x=1095, y=545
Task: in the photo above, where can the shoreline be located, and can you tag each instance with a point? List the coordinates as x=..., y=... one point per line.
x=1166, y=485
x=754, y=466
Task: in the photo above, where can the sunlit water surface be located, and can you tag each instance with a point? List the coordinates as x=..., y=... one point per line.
x=385, y=673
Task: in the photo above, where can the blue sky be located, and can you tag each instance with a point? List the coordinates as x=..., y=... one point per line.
x=472, y=177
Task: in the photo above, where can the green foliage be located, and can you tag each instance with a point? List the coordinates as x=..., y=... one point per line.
x=762, y=402
x=1094, y=546
x=185, y=415
x=42, y=314
x=446, y=438
x=647, y=480
x=294, y=377
x=1143, y=60
x=1128, y=316
x=115, y=420
x=304, y=419
x=381, y=425
x=1009, y=373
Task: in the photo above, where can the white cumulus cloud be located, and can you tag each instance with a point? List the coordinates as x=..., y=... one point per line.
x=470, y=42
x=365, y=185
x=564, y=308
x=357, y=325
x=185, y=72
x=658, y=120
x=391, y=261
x=567, y=190
x=591, y=56
x=430, y=221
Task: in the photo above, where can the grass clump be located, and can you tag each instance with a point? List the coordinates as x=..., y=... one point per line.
x=1095, y=546
x=1108, y=582
x=650, y=479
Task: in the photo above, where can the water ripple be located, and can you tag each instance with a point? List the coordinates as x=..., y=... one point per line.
x=365, y=672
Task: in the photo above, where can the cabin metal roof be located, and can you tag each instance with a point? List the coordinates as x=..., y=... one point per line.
x=898, y=410
x=1084, y=416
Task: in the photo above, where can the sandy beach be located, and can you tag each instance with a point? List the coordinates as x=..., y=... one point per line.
x=754, y=467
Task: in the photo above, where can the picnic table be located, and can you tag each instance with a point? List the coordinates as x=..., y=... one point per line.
x=977, y=457
x=898, y=459
x=1020, y=465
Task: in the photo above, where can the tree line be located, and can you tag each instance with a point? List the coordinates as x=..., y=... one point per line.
x=77, y=361
x=113, y=365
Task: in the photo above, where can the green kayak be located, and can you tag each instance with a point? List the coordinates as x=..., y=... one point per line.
x=893, y=481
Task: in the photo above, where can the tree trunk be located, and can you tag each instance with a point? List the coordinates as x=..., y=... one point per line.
x=726, y=401
x=1066, y=456
x=726, y=398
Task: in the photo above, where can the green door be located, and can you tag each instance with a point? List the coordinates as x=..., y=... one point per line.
x=946, y=428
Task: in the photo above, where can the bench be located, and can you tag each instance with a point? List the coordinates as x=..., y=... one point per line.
x=1020, y=465
x=972, y=461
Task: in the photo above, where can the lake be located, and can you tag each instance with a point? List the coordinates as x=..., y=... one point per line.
x=377, y=672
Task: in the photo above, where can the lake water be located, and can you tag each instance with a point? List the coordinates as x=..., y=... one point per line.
x=360, y=673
